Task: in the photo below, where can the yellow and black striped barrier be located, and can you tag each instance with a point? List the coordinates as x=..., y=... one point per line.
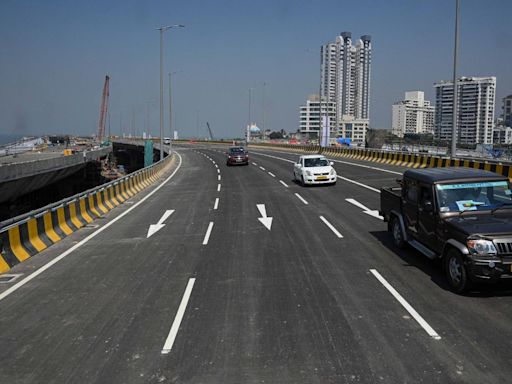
x=398, y=158
x=33, y=234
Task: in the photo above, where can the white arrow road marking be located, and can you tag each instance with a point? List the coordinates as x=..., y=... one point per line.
x=368, y=211
x=266, y=221
x=154, y=228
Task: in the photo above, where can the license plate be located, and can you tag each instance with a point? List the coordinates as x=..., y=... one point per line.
x=321, y=178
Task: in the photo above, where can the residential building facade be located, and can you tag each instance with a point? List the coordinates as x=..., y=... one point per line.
x=507, y=111
x=475, y=111
x=310, y=116
x=413, y=115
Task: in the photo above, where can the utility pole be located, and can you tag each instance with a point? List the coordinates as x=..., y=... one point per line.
x=453, y=151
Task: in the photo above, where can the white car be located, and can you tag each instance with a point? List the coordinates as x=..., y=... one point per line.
x=314, y=169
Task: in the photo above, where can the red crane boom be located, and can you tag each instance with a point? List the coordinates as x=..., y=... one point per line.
x=103, y=110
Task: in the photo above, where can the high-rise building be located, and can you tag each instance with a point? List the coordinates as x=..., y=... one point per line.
x=310, y=116
x=475, y=112
x=345, y=80
x=507, y=111
x=413, y=115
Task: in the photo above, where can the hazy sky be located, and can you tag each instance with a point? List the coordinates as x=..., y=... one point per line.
x=54, y=56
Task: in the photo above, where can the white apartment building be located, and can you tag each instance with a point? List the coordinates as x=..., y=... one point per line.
x=345, y=79
x=502, y=135
x=310, y=116
x=354, y=129
x=414, y=114
x=475, y=112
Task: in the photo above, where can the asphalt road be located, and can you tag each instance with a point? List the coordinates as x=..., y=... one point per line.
x=215, y=297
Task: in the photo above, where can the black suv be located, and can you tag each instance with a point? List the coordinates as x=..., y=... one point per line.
x=461, y=215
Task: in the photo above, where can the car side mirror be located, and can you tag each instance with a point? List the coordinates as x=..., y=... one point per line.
x=331, y=163
x=428, y=206
x=298, y=165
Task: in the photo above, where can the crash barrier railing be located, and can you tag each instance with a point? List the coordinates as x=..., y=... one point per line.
x=416, y=160
x=26, y=235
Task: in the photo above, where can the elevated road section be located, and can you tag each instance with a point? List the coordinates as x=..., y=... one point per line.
x=30, y=171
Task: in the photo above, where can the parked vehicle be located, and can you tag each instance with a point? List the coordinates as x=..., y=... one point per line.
x=314, y=169
x=462, y=216
x=237, y=156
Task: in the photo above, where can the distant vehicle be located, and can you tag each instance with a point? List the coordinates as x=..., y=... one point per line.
x=314, y=169
x=237, y=156
x=462, y=216
x=167, y=140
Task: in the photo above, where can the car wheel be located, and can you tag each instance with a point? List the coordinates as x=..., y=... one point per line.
x=456, y=272
x=398, y=236
x=302, y=182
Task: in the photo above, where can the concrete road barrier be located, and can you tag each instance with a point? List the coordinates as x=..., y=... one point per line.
x=32, y=233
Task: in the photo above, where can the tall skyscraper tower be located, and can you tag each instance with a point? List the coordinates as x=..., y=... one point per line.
x=345, y=80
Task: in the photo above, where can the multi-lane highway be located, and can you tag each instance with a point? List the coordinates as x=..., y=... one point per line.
x=239, y=275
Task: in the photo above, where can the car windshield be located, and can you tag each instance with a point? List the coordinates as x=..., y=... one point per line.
x=316, y=162
x=237, y=150
x=473, y=196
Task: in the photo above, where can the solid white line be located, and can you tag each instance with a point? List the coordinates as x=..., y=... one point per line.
x=15, y=287
x=262, y=168
x=208, y=233
x=340, y=177
x=367, y=166
x=179, y=317
x=216, y=205
x=360, y=184
x=358, y=204
x=406, y=305
x=282, y=182
x=301, y=198
x=331, y=227
x=218, y=177
x=218, y=187
x=271, y=174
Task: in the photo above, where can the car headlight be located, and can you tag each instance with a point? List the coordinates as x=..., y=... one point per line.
x=333, y=172
x=481, y=247
x=308, y=173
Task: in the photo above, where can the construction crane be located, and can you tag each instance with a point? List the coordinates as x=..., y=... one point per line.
x=103, y=110
x=209, y=130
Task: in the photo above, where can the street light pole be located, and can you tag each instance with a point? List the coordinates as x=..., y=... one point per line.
x=162, y=30
x=247, y=134
x=453, y=151
x=170, y=109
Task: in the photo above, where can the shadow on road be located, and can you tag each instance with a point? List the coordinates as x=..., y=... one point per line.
x=434, y=268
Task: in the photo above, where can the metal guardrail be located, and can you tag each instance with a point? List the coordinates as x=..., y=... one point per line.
x=6, y=224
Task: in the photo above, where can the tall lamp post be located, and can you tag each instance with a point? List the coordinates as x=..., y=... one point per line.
x=453, y=151
x=170, y=108
x=162, y=30
x=247, y=134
